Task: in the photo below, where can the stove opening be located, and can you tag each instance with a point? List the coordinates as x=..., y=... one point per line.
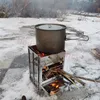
x=53, y=87
x=51, y=71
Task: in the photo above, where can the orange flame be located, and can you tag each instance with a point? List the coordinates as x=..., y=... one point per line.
x=56, y=85
x=53, y=84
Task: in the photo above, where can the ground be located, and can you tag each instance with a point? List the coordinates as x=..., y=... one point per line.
x=16, y=34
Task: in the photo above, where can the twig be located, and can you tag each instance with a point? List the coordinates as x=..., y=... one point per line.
x=88, y=79
x=83, y=78
x=71, y=76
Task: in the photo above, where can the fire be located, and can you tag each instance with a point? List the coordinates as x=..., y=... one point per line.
x=55, y=85
x=45, y=68
x=53, y=92
x=55, y=88
x=42, y=54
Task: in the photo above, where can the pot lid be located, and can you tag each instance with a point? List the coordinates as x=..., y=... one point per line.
x=50, y=26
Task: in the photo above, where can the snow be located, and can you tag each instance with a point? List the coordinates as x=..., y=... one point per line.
x=16, y=90
x=16, y=34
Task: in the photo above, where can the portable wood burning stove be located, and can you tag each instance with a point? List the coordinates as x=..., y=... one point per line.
x=44, y=70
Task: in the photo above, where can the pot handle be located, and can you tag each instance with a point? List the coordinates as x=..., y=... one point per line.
x=78, y=36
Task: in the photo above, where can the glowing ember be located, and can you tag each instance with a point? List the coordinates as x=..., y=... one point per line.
x=56, y=84
x=53, y=84
x=42, y=54
x=45, y=68
x=54, y=92
x=55, y=88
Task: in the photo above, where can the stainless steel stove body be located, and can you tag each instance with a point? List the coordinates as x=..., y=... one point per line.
x=40, y=66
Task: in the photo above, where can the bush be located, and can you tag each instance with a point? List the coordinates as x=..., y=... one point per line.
x=3, y=12
x=2, y=15
x=26, y=8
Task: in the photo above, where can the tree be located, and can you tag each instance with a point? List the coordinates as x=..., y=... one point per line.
x=5, y=9
x=97, y=5
x=19, y=7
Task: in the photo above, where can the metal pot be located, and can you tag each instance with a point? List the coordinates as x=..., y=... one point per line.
x=50, y=38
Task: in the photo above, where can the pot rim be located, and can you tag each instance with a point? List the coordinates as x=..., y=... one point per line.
x=63, y=27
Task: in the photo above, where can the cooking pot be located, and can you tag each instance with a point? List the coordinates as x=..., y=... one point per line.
x=50, y=38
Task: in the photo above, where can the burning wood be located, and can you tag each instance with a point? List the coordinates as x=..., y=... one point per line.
x=69, y=76
x=51, y=71
x=57, y=71
x=54, y=87
x=40, y=54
